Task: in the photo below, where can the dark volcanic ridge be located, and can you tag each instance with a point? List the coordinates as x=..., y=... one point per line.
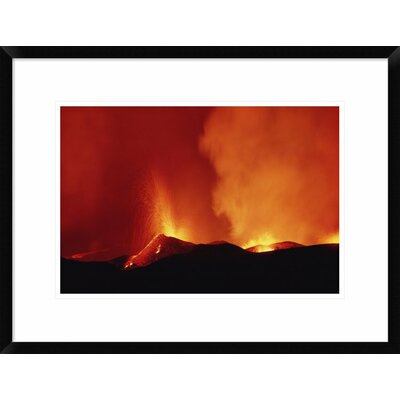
x=208, y=268
x=162, y=246
x=106, y=254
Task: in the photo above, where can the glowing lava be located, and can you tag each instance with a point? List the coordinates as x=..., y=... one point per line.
x=262, y=241
x=261, y=248
x=162, y=246
x=273, y=246
x=334, y=238
x=159, y=247
x=162, y=212
x=251, y=176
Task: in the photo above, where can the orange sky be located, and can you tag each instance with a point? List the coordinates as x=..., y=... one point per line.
x=242, y=174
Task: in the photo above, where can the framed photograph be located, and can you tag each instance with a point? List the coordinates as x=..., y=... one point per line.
x=199, y=199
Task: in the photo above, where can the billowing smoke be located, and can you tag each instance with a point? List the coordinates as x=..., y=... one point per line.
x=248, y=175
x=277, y=172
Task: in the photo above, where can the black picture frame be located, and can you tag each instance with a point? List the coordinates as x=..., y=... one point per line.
x=7, y=54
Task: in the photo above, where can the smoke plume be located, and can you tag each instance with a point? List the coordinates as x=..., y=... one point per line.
x=277, y=172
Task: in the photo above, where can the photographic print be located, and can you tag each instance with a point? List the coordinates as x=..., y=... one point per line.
x=199, y=199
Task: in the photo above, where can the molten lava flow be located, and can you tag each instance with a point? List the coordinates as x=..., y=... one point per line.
x=162, y=246
x=159, y=247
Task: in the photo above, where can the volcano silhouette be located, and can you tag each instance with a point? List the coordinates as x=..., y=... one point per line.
x=159, y=247
x=162, y=246
x=171, y=265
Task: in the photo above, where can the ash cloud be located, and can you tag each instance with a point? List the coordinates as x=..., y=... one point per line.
x=277, y=171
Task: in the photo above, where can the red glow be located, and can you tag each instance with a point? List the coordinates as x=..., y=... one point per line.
x=247, y=175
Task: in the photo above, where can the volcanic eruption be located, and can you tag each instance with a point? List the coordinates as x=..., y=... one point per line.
x=159, y=247
x=246, y=187
x=162, y=246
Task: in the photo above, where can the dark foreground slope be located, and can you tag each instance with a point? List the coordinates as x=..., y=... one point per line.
x=221, y=268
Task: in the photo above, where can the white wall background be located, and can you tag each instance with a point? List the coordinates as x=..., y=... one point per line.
x=209, y=22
